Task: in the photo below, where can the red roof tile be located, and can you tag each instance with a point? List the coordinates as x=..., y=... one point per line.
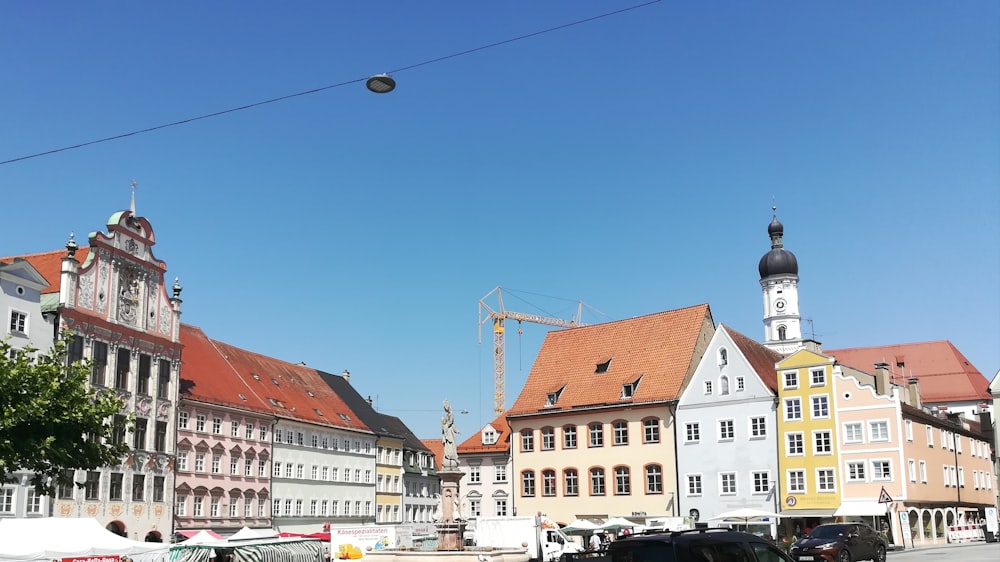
x=474, y=444
x=207, y=377
x=436, y=447
x=49, y=264
x=287, y=390
x=660, y=349
x=943, y=373
x=761, y=358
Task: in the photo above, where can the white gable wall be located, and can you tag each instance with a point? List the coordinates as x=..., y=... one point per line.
x=711, y=456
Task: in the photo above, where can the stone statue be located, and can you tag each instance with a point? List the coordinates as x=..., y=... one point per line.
x=448, y=434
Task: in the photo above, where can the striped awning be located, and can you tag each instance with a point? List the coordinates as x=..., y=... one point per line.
x=275, y=550
x=291, y=551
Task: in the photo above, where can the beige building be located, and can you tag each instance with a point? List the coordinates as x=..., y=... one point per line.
x=592, y=431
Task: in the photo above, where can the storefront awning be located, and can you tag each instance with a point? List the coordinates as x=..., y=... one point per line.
x=860, y=508
x=807, y=513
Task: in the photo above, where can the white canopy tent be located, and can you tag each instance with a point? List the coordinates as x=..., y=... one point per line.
x=746, y=515
x=580, y=527
x=246, y=533
x=49, y=538
x=616, y=524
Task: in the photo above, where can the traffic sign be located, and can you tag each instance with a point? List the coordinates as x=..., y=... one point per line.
x=884, y=497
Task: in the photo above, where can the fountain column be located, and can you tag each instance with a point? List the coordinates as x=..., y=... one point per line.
x=451, y=528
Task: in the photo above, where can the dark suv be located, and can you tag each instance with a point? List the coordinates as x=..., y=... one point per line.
x=696, y=545
x=839, y=542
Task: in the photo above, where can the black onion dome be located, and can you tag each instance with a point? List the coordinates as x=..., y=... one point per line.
x=775, y=228
x=778, y=261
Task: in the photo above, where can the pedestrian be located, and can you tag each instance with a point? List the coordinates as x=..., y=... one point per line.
x=595, y=542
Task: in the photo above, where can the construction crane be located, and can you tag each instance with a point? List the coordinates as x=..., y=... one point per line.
x=498, y=316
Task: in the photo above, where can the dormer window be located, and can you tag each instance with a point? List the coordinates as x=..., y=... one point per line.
x=553, y=397
x=629, y=388
x=723, y=357
x=489, y=437
x=603, y=366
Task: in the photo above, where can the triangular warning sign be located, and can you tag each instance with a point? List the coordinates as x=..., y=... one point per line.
x=884, y=497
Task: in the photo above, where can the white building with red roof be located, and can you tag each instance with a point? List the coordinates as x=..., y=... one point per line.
x=487, y=489
x=728, y=431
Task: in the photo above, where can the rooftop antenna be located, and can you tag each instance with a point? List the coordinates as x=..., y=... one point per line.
x=812, y=331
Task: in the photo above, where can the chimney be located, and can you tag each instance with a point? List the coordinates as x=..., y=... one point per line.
x=986, y=426
x=882, y=379
x=370, y=403
x=347, y=375
x=913, y=391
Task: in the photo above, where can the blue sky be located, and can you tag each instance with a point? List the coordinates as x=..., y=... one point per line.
x=628, y=162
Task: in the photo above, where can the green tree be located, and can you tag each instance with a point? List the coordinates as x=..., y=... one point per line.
x=52, y=421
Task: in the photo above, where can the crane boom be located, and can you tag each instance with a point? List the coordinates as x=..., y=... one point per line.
x=497, y=317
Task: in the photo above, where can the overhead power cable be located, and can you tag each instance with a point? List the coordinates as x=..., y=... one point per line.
x=329, y=87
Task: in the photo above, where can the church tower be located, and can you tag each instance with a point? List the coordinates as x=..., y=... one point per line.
x=779, y=283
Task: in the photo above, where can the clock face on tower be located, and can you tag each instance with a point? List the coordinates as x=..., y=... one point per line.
x=779, y=305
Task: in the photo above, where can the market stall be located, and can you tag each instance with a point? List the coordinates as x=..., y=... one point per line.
x=57, y=538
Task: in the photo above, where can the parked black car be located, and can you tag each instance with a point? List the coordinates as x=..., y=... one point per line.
x=695, y=545
x=839, y=542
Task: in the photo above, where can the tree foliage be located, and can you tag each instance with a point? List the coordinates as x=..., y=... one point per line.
x=51, y=420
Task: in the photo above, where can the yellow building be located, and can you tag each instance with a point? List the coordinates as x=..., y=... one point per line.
x=807, y=452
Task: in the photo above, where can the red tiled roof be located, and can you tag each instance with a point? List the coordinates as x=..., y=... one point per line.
x=474, y=444
x=286, y=390
x=943, y=373
x=207, y=377
x=761, y=358
x=49, y=264
x=661, y=349
x=436, y=447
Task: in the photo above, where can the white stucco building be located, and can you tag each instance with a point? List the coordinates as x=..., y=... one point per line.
x=727, y=429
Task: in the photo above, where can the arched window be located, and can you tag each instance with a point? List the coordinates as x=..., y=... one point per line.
x=527, y=440
x=723, y=356
x=597, y=481
x=548, y=482
x=723, y=384
x=654, y=479
x=571, y=482
x=781, y=333
x=528, y=483
x=623, y=481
